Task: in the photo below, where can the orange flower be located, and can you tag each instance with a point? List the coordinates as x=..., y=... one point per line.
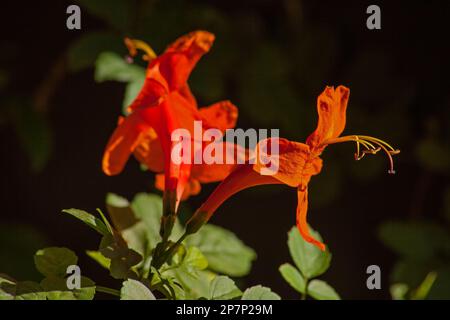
x=296, y=162
x=164, y=104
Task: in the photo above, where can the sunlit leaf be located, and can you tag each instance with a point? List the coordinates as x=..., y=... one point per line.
x=293, y=277
x=92, y=221
x=135, y=290
x=56, y=289
x=54, y=261
x=223, y=250
x=223, y=288
x=311, y=261
x=24, y=290
x=259, y=293
x=320, y=290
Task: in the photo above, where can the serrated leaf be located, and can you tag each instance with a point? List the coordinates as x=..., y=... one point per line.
x=293, y=277
x=54, y=261
x=223, y=288
x=320, y=290
x=260, y=293
x=92, y=221
x=224, y=251
x=56, y=289
x=311, y=261
x=135, y=290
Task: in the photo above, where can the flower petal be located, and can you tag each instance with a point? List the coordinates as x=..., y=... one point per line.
x=149, y=151
x=331, y=107
x=293, y=163
x=125, y=138
x=219, y=170
x=179, y=59
x=221, y=115
x=302, y=225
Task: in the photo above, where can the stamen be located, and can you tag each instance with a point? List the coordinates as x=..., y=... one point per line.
x=371, y=146
x=133, y=45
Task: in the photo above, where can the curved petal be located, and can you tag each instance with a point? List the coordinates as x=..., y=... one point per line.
x=149, y=151
x=292, y=164
x=179, y=59
x=331, y=107
x=221, y=115
x=125, y=138
x=227, y=157
x=149, y=96
x=302, y=225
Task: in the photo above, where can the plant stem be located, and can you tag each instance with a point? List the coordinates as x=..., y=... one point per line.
x=168, y=253
x=110, y=291
x=305, y=294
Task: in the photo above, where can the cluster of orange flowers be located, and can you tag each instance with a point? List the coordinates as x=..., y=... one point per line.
x=165, y=103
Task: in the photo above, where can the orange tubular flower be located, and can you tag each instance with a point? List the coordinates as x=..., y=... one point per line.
x=164, y=104
x=296, y=162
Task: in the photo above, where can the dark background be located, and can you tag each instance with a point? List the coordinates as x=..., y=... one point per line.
x=272, y=59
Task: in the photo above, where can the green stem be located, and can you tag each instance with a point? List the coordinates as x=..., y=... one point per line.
x=305, y=294
x=110, y=291
x=168, y=253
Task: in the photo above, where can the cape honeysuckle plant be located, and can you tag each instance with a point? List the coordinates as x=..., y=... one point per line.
x=143, y=244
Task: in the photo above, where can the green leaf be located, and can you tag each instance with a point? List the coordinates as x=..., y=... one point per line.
x=56, y=289
x=414, y=240
x=110, y=66
x=223, y=288
x=293, y=277
x=195, y=259
x=320, y=290
x=25, y=290
x=92, y=221
x=135, y=290
x=188, y=269
x=122, y=258
x=84, y=51
x=311, y=261
x=260, y=293
x=120, y=211
x=54, y=261
x=99, y=258
x=224, y=251
x=148, y=208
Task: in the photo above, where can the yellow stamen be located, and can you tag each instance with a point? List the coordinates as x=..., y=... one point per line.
x=133, y=45
x=372, y=146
